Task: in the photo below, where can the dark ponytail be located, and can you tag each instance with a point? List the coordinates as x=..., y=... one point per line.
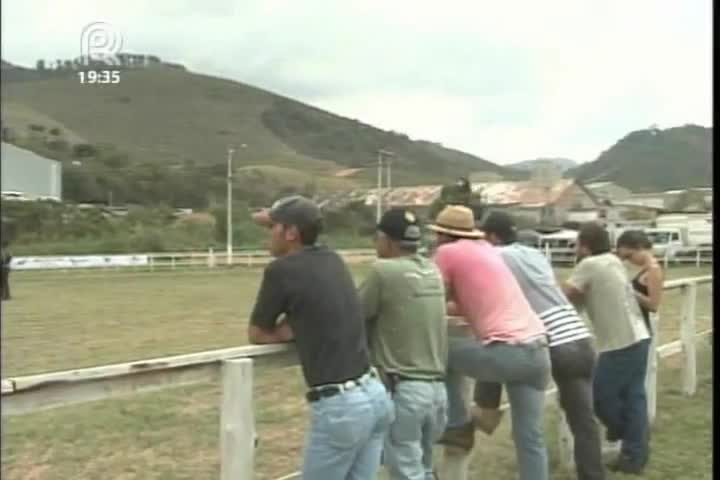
x=634, y=239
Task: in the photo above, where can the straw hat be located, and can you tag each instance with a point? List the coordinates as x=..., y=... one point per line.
x=457, y=221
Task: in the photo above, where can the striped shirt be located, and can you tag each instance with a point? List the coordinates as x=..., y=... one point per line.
x=563, y=325
x=537, y=281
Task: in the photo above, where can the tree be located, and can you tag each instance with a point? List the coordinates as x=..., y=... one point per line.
x=116, y=160
x=82, y=150
x=58, y=145
x=40, y=65
x=689, y=200
x=8, y=134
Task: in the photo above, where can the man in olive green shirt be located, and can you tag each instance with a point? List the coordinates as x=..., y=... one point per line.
x=404, y=301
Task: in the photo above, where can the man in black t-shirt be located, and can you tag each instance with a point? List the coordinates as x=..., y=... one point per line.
x=350, y=408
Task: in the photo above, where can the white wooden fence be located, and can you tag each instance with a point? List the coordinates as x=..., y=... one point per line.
x=234, y=368
x=257, y=258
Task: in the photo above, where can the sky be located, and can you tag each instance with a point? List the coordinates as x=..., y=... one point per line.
x=505, y=80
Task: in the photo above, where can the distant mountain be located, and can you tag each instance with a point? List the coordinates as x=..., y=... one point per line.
x=169, y=117
x=528, y=165
x=655, y=160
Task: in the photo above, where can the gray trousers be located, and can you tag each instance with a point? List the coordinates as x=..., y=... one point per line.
x=572, y=369
x=524, y=369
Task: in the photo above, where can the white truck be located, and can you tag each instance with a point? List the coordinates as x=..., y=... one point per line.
x=675, y=234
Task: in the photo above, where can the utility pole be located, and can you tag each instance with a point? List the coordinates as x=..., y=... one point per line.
x=379, y=188
x=381, y=154
x=229, y=245
x=389, y=174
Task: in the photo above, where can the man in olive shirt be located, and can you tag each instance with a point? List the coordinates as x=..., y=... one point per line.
x=404, y=300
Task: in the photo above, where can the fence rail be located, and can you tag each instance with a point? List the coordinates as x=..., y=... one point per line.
x=257, y=258
x=234, y=366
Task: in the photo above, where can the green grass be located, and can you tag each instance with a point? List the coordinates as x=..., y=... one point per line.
x=60, y=320
x=81, y=319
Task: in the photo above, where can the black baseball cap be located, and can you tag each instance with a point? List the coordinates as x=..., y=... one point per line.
x=500, y=224
x=400, y=225
x=293, y=210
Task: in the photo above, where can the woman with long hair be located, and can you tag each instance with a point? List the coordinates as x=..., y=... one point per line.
x=635, y=247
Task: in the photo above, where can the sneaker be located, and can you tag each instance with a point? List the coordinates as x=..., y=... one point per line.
x=486, y=419
x=624, y=465
x=462, y=437
x=611, y=449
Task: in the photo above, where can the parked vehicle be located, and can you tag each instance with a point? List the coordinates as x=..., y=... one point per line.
x=678, y=234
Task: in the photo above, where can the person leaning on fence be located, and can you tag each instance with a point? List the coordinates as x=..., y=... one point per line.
x=509, y=344
x=404, y=300
x=310, y=284
x=599, y=281
x=572, y=354
x=635, y=247
x=5, y=279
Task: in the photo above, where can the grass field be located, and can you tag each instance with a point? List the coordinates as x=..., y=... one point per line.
x=61, y=320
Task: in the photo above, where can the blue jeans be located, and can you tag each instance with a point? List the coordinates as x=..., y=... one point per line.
x=621, y=399
x=346, y=433
x=525, y=372
x=420, y=418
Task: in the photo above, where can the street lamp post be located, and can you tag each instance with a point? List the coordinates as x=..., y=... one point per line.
x=229, y=243
x=229, y=225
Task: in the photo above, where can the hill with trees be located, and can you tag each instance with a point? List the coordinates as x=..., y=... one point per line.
x=173, y=118
x=655, y=160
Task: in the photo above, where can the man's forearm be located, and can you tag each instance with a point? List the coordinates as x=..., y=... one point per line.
x=572, y=293
x=283, y=332
x=645, y=302
x=280, y=334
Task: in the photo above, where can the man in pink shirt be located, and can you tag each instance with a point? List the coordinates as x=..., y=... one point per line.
x=509, y=344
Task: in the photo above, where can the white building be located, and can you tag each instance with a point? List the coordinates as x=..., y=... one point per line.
x=26, y=175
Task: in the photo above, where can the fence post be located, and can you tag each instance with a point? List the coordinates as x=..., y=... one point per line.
x=652, y=368
x=237, y=422
x=697, y=257
x=211, y=258
x=687, y=336
x=456, y=461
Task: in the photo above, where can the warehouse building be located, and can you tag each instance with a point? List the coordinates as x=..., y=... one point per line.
x=28, y=176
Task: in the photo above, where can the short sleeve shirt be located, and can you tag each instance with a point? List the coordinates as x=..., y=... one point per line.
x=316, y=292
x=487, y=293
x=404, y=304
x=536, y=278
x=609, y=301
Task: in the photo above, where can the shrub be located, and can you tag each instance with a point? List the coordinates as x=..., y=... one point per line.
x=83, y=150
x=58, y=145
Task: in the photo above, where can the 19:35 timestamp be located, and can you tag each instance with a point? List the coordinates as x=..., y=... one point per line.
x=99, y=76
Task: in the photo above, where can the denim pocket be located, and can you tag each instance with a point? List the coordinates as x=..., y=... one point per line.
x=347, y=427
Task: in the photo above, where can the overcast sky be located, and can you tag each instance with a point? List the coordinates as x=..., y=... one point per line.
x=505, y=80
